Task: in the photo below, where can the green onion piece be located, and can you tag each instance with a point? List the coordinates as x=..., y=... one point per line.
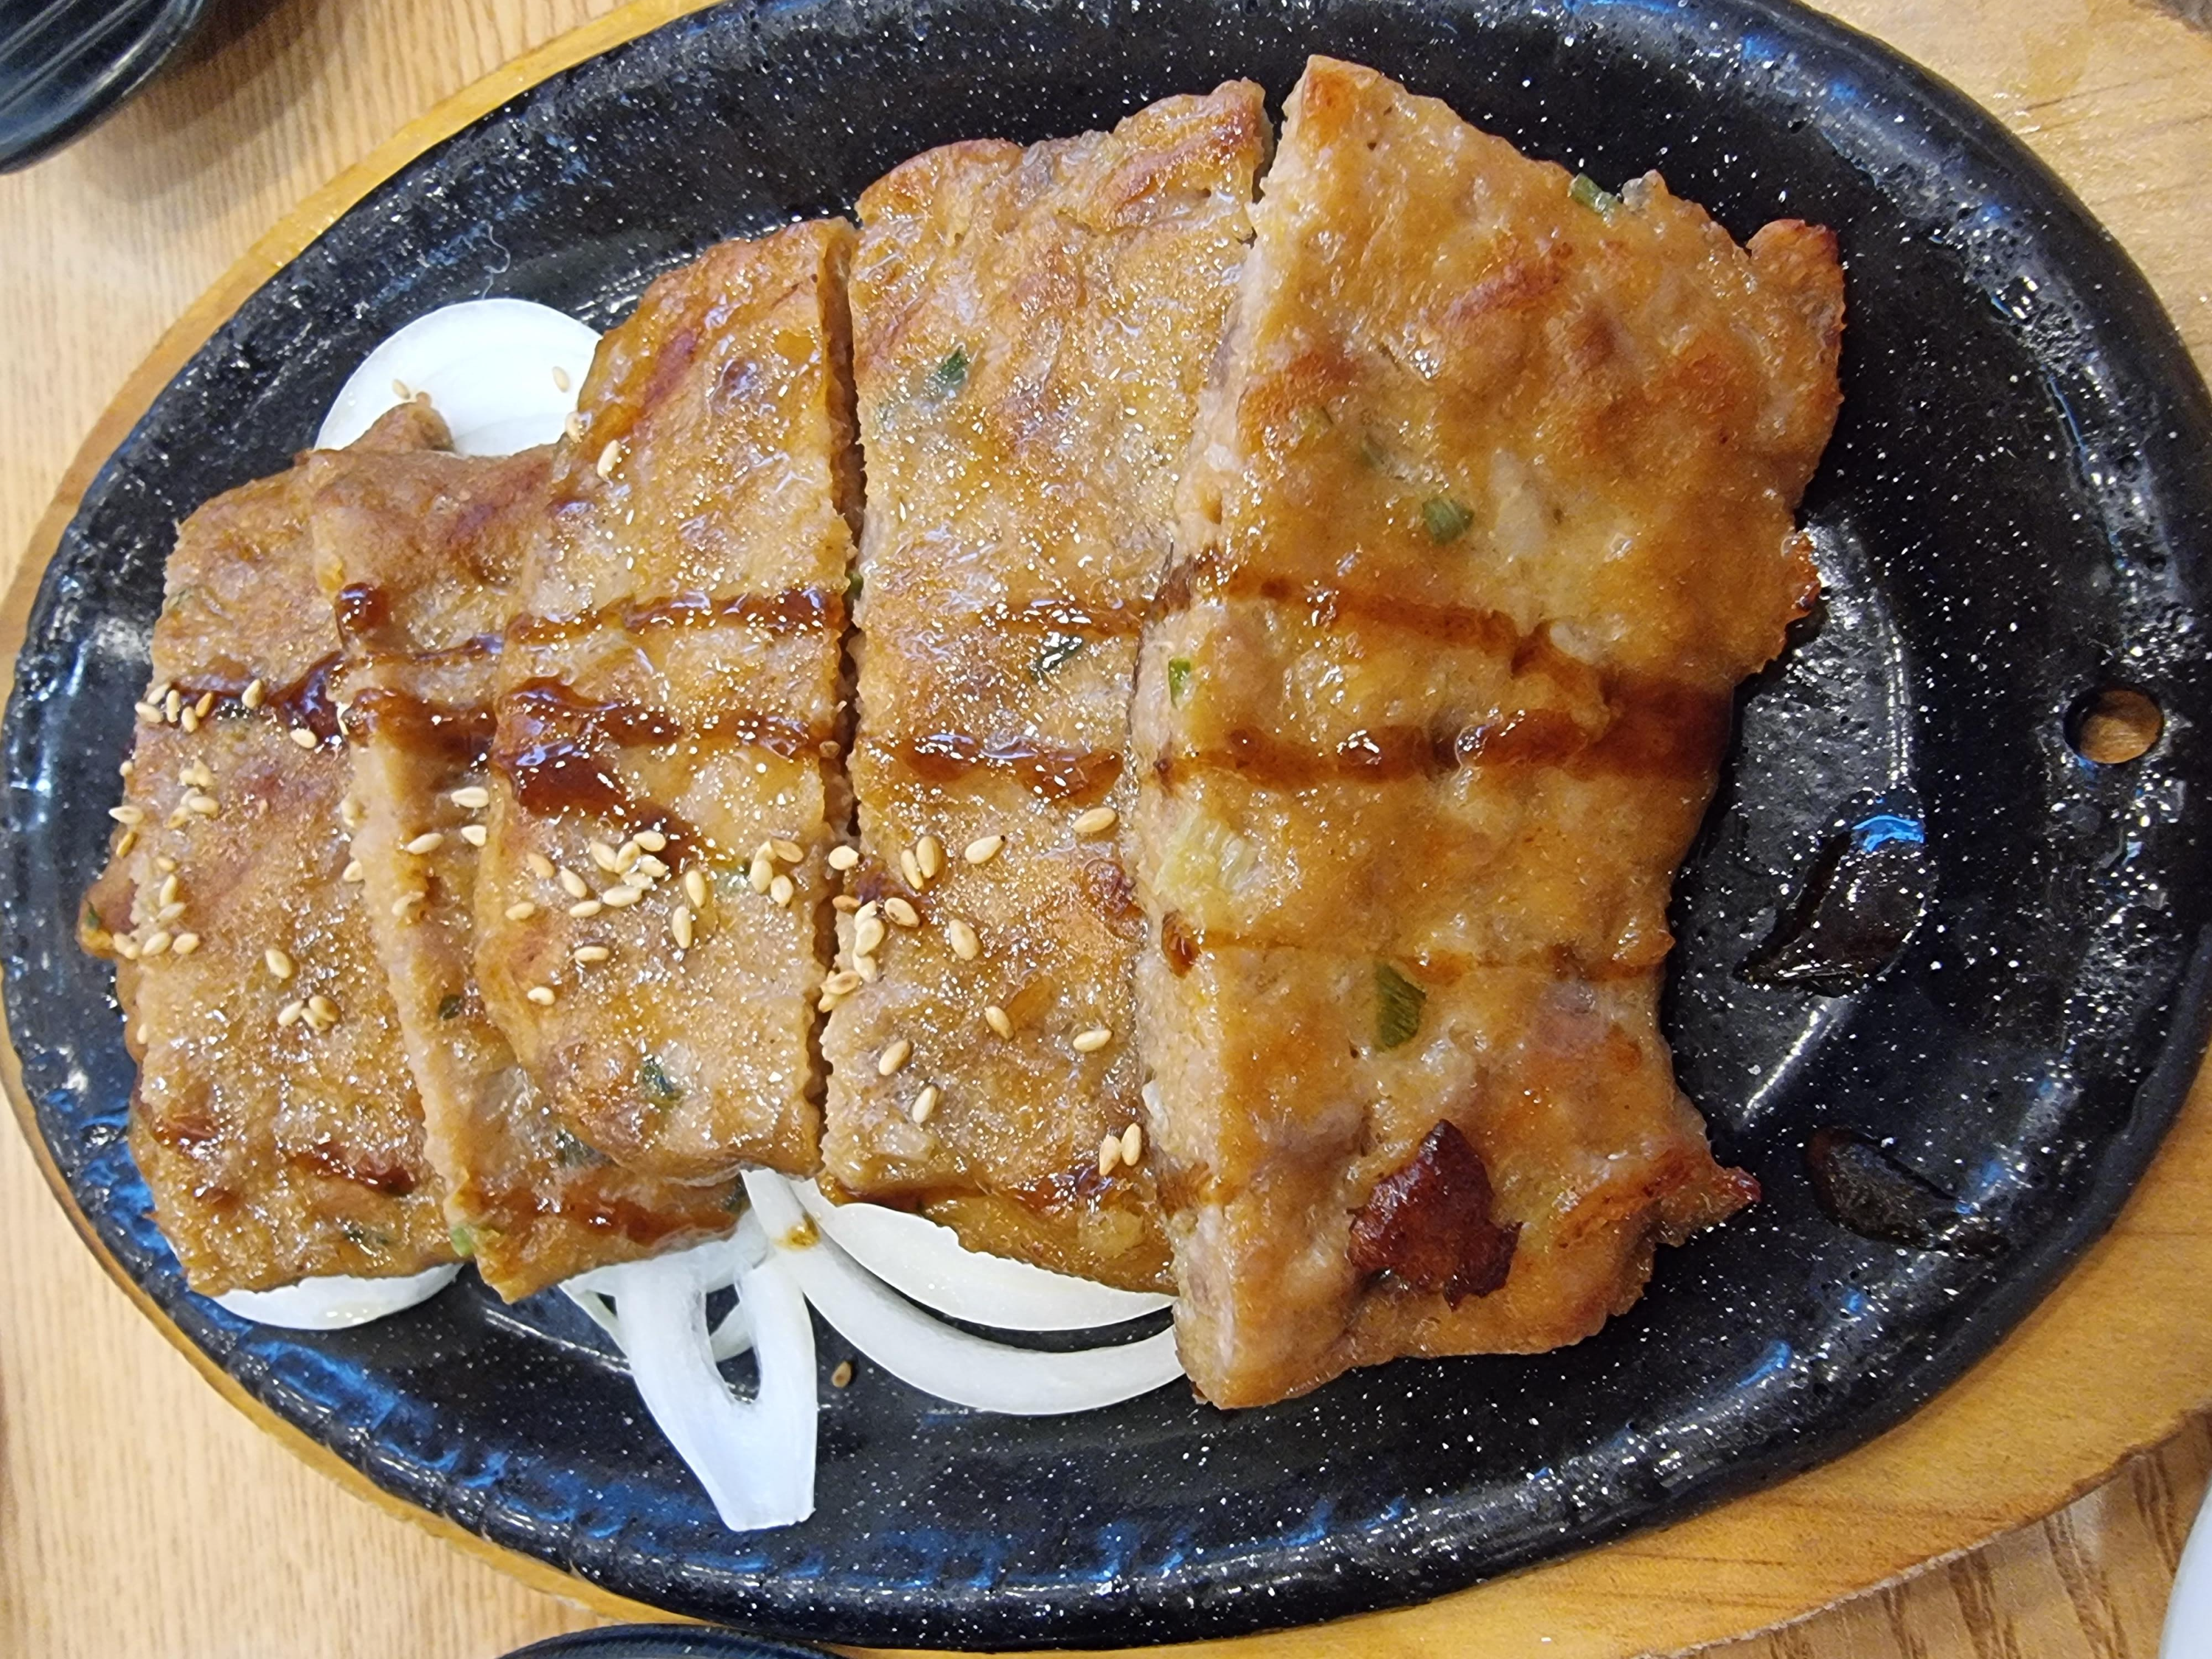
x=660, y=1089
x=1446, y=520
x=465, y=1242
x=1058, y=649
x=1178, y=679
x=853, y=585
x=949, y=376
x=573, y=1153
x=1398, y=1003
x=90, y=920
x=1373, y=453
x=449, y=1006
x=1592, y=195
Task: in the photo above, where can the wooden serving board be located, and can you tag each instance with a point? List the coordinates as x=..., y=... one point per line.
x=138, y=1516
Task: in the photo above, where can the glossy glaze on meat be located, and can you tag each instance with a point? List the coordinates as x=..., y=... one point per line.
x=668, y=723
x=420, y=558
x=1032, y=330
x=274, y=1118
x=1490, y=514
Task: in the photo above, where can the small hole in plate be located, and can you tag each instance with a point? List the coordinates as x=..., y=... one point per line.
x=2113, y=725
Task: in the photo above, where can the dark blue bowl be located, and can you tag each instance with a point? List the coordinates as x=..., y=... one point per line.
x=66, y=64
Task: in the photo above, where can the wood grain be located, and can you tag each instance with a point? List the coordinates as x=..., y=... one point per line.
x=140, y=1514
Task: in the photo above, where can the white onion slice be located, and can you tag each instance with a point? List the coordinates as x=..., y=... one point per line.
x=716, y=1263
x=488, y=366
x=927, y=1262
x=337, y=1300
x=936, y=1358
x=755, y=1457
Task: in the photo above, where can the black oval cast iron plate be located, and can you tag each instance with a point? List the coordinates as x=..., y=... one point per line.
x=2013, y=511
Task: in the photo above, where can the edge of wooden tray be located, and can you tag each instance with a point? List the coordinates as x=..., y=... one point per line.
x=2108, y=1365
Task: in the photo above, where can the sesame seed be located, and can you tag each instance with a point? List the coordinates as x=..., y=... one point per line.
x=255, y=691
x=541, y=866
x=353, y=871
x=289, y=1014
x=190, y=721
x=789, y=852
x=868, y=935
x=604, y=856
x=205, y=705
x=845, y=902
x=781, y=891
x=652, y=841
x=901, y=912
x=125, y=843
x=185, y=944
x=278, y=962
x=649, y=867
x=127, y=815
x=574, y=426
x=842, y=1376
x=406, y=905
x=399, y=391
x=167, y=893
x=169, y=912
x=843, y=858
x=475, y=834
x=171, y=706
x=924, y=1103
x=156, y=942
x=574, y=884
x=892, y=1057
x=963, y=939
x=1091, y=1041
x=910, y=867
x=165, y=862
x=351, y=812
x=303, y=737
x=995, y=1017
x=521, y=910
x=1132, y=1144
x=609, y=458
x=864, y=966
x=626, y=855
x=426, y=843
x=588, y=954
x=1109, y=1154
x=929, y=853
x=126, y=769
x=762, y=872
x=126, y=947
x=585, y=909
x=1096, y=822
x=680, y=924
x=843, y=983
x=560, y=378
x=695, y=888
x=472, y=798
x=620, y=896
x=203, y=805
x=983, y=850
x=321, y=1009
x=150, y=713
x=540, y=995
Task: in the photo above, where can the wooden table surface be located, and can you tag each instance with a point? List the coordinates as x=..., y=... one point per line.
x=139, y=1513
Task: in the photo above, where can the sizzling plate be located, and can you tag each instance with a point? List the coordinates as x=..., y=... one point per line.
x=2014, y=512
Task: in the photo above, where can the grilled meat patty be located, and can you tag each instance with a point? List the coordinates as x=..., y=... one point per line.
x=1032, y=330
x=1491, y=514
x=421, y=557
x=275, y=1119
x=665, y=770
